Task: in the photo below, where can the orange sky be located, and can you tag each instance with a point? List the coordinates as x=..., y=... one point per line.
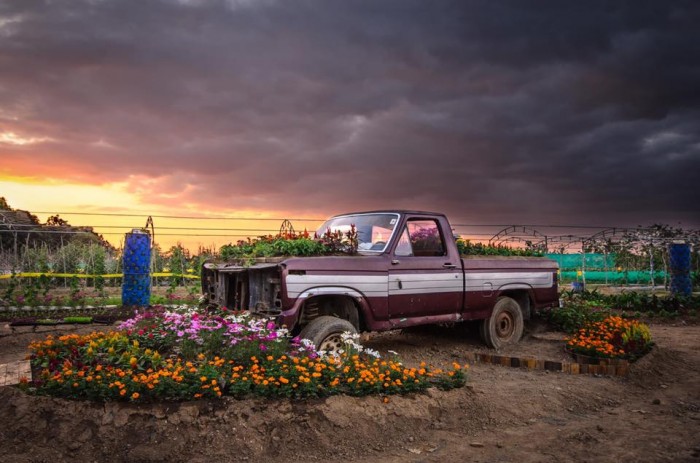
x=47, y=197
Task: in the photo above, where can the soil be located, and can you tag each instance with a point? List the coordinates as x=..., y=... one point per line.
x=503, y=415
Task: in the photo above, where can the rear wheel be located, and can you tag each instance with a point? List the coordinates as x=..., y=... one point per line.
x=505, y=326
x=325, y=332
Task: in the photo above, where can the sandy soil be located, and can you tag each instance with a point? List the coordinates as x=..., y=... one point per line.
x=503, y=415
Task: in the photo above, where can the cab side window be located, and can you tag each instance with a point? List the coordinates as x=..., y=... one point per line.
x=425, y=238
x=421, y=238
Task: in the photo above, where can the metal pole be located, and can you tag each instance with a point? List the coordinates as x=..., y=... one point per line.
x=583, y=264
x=651, y=265
x=605, y=256
x=63, y=258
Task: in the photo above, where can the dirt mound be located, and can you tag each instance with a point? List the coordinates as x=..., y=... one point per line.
x=43, y=429
x=661, y=366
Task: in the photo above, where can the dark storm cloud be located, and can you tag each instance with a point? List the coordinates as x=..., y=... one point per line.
x=491, y=111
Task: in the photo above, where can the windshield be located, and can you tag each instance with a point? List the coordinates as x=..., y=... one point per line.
x=373, y=230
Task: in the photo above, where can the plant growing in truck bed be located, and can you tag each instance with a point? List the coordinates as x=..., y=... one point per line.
x=333, y=242
x=182, y=355
x=467, y=248
x=292, y=244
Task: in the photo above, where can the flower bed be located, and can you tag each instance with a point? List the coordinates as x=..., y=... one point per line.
x=183, y=354
x=611, y=338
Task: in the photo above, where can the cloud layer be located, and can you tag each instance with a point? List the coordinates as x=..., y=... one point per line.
x=557, y=112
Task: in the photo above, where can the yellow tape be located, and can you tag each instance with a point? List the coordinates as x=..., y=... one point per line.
x=178, y=275
x=83, y=275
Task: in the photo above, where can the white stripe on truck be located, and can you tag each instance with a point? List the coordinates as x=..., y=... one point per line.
x=419, y=283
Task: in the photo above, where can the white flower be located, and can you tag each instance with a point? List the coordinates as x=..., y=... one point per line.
x=354, y=345
x=282, y=332
x=393, y=352
x=348, y=336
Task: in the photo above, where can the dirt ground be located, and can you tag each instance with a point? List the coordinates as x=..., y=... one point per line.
x=503, y=415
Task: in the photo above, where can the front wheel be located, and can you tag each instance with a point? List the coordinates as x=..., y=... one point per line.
x=504, y=326
x=325, y=332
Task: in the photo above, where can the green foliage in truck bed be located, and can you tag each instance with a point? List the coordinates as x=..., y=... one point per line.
x=467, y=248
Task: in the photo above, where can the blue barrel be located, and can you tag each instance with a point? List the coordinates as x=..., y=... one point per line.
x=577, y=286
x=679, y=268
x=136, y=262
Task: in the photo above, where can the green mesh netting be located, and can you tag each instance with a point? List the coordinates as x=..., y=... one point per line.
x=575, y=261
x=632, y=277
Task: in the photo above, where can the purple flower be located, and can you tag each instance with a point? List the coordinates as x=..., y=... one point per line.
x=263, y=347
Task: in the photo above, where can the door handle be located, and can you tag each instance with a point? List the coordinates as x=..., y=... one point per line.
x=395, y=262
x=449, y=265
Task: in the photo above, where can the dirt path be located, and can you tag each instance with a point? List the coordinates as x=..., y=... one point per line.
x=504, y=415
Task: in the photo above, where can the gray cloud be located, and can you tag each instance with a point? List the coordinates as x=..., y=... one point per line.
x=491, y=111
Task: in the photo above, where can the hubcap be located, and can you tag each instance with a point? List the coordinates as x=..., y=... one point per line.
x=504, y=325
x=332, y=344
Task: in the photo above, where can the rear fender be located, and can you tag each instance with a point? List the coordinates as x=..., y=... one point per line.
x=522, y=294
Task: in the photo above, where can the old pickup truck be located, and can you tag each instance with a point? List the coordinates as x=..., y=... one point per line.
x=407, y=271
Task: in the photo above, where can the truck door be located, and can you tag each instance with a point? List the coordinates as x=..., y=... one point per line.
x=423, y=279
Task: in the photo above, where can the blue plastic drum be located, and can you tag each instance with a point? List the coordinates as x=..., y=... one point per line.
x=136, y=287
x=679, y=268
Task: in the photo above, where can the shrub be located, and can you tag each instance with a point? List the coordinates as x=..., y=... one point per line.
x=573, y=316
x=466, y=247
x=612, y=337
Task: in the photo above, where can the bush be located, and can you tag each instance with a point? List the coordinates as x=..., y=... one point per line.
x=291, y=245
x=573, y=316
x=182, y=355
x=613, y=337
x=634, y=301
x=466, y=247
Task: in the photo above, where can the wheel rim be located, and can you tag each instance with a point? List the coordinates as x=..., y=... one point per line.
x=505, y=325
x=332, y=344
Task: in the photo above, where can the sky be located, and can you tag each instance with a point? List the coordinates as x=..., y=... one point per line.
x=507, y=112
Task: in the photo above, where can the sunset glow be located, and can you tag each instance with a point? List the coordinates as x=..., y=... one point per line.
x=113, y=210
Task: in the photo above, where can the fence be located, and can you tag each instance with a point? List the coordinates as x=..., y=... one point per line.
x=616, y=256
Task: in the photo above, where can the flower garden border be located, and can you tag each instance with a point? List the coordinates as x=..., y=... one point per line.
x=604, y=367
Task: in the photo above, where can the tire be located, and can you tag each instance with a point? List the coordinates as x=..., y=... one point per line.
x=505, y=325
x=325, y=332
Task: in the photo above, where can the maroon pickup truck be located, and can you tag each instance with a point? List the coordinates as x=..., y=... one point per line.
x=407, y=271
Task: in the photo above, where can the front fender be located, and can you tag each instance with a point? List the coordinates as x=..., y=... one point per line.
x=290, y=317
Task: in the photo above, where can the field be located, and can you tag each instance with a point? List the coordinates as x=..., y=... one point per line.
x=504, y=414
